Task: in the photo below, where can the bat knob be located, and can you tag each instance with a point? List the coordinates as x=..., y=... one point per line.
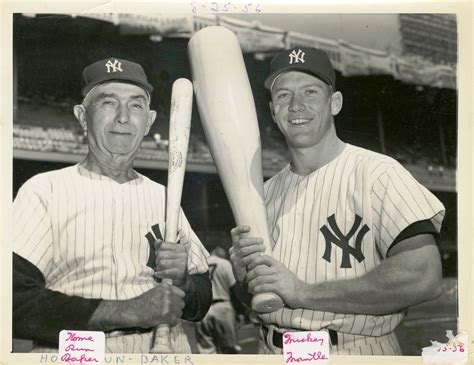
x=267, y=302
x=161, y=340
x=161, y=349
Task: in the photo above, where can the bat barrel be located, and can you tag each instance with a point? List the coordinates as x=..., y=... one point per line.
x=226, y=106
x=180, y=123
x=229, y=120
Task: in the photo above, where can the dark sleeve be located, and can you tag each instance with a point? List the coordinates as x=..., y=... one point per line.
x=40, y=314
x=241, y=305
x=414, y=229
x=240, y=293
x=198, y=300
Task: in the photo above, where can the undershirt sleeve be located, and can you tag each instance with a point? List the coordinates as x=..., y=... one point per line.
x=420, y=227
x=198, y=301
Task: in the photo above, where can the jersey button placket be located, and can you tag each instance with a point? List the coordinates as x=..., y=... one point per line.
x=114, y=213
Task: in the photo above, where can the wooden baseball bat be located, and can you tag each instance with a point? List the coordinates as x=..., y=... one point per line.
x=180, y=122
x=229, y=119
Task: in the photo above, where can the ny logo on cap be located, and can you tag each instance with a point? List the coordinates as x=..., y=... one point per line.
x=297, y=57
x=116, y=66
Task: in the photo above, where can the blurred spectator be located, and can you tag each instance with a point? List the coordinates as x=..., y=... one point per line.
x=217, y=333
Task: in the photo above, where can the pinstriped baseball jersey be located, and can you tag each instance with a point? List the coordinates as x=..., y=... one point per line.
x=86, y=232
x=338, y=223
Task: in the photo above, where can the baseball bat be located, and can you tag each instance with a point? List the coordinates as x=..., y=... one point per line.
x=180, y=121
x=229, y=120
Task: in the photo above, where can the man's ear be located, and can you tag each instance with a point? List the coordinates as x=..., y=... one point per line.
x=80, y=114
x=272, y=111
x=151, y=120
x=336, y=102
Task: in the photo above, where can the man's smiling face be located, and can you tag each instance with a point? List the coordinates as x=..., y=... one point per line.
x=117, y=116
x=302, y=107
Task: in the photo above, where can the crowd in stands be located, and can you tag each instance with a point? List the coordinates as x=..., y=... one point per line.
x=47, y=124
x=34, y=138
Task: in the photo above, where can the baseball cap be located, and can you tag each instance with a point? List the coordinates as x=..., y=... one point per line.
x=111, y=69
x=305, y=59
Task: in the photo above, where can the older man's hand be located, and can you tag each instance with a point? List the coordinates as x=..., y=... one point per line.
x=162, y=304
x=172, y=263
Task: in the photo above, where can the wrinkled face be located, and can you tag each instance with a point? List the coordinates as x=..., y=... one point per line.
x=117, y=117
x=303, y=107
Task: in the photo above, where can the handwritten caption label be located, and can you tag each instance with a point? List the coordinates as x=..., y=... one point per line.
x=307, y=347
x=132, y=359
x=225, y=7
x=81, y=347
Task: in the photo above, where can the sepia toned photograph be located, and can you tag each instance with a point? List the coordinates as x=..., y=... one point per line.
x=205, y=182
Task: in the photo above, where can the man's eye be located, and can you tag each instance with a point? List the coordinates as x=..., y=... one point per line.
x=137, y=106
x=107, y=102
x=282, y=95
x=312, y=92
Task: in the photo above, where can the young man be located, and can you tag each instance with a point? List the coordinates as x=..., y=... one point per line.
x=353, y=232
x=85, y=236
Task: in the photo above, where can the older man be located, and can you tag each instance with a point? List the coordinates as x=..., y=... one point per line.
x=87, y=238
x=354, y=233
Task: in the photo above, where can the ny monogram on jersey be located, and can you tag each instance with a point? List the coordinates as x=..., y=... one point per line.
x=338, y=223
x=342, y=241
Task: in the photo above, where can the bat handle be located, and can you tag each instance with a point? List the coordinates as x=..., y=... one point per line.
x=161, y=343
x=266, y=302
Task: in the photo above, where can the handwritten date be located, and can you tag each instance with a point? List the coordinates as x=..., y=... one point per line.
x=225, y=7
x=459, y=348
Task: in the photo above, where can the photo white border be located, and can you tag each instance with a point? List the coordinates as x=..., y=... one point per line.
x=465, y=15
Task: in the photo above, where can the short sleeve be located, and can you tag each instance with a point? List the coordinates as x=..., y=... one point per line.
x=197, y=261
x=398, y=201
x=32, y=232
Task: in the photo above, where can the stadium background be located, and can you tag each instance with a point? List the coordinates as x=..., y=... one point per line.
x=412, y=119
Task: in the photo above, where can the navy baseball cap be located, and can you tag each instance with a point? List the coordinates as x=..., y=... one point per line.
x=114, y=69
x=305, y=59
